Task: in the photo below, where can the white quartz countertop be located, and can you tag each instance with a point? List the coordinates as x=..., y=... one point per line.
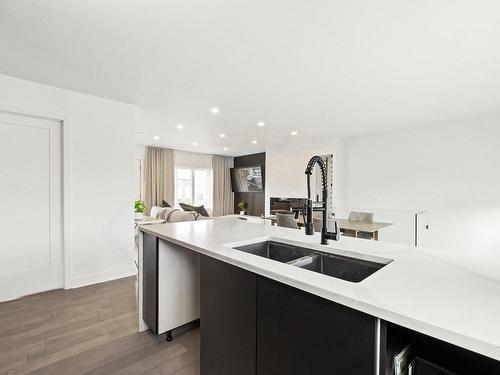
x=452, y=296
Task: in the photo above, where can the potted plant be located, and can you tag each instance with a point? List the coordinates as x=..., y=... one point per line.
x=243, y=206
x=139, y=208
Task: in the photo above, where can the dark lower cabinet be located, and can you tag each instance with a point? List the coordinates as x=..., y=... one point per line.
x=252, y=325
x=228, y=319
x=299, y=333
x=150, y=281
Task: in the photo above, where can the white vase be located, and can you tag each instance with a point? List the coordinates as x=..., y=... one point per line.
x=242, y=213
x=139, y=215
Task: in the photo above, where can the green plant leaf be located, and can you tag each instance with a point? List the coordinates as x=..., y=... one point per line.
x=139, y=206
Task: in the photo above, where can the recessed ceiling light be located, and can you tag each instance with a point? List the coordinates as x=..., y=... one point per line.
x=225, y=148
x=222, y=135
x=195, y=143
x=254, y=142
x=156, y=137
x=261, y=124
x=294, y=133
x=179, y=126
x=215, y=110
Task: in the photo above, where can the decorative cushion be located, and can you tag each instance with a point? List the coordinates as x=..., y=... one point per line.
x=164, y=203
x=200, y=209
x=164, y=212
x=175, y=215
x=180, y=216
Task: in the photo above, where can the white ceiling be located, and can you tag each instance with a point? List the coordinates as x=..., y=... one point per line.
x=326, y=68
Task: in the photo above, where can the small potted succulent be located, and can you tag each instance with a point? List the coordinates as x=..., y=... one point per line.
x=243, y=206
x=139, y=208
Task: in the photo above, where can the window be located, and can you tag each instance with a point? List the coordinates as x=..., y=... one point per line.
x=193, y=186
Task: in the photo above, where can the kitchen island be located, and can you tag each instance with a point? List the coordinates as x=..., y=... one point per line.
x=438, y=301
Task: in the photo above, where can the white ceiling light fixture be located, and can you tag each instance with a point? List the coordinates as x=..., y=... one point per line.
x=195, y=144
x=179, y=126
x=255, y=142
x=261, y=124
x=215, y=110
x=156, y=137
x=222, y=135
x=294, y=133
x=225, y=148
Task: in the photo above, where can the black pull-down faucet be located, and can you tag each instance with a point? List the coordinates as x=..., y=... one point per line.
x=309, y=226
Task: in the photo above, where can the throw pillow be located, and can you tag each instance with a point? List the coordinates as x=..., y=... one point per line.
x=177, y=216
x=200, y=209
x=164, y=213
x=164, y=203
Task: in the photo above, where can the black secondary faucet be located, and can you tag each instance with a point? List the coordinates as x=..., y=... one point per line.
x=309, y=226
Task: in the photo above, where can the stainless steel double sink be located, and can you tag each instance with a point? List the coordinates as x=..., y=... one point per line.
x=339, y=266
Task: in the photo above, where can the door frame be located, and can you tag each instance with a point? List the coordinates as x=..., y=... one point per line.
x=65, y=121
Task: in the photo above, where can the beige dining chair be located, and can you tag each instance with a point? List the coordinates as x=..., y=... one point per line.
x=363, y=217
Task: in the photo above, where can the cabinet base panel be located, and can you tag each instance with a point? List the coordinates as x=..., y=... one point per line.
x=170, y=335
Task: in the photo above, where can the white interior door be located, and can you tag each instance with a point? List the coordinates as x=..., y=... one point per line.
x=31, y=239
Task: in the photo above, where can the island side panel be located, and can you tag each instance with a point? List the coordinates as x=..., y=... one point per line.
x=142, y=326
x=178, y=286
x=150, y=281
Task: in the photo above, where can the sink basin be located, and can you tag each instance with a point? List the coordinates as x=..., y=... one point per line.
x=334, y=265
x=278, y=251
x=345, y=268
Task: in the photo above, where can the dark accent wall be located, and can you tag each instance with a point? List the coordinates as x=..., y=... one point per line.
x=256, y=201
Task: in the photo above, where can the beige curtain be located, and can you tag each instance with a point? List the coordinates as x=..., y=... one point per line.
x=223, y=196
x=158, y=176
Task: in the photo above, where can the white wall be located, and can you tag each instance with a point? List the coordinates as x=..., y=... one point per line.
x=285, y=168
x=102, y=154
x=452, y=171
x=139, y=152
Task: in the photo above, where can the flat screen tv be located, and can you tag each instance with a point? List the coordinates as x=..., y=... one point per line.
x=247, y=179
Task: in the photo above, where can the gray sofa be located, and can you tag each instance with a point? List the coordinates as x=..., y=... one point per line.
x=175, y=215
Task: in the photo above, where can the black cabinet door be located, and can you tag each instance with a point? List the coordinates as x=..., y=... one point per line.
x=228, y=319
x=150, y=281
x=299, y=333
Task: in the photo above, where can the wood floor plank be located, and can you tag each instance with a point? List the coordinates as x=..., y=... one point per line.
x=177, y=363
x=71, y=322
x=153, y=365
x=191, y=369
x=90, y=330
x=139, y=359
x=69, y=339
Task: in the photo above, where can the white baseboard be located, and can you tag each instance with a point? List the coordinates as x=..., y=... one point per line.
x=103, y=276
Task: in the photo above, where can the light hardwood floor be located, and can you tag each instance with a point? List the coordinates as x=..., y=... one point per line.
x=89, y=330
